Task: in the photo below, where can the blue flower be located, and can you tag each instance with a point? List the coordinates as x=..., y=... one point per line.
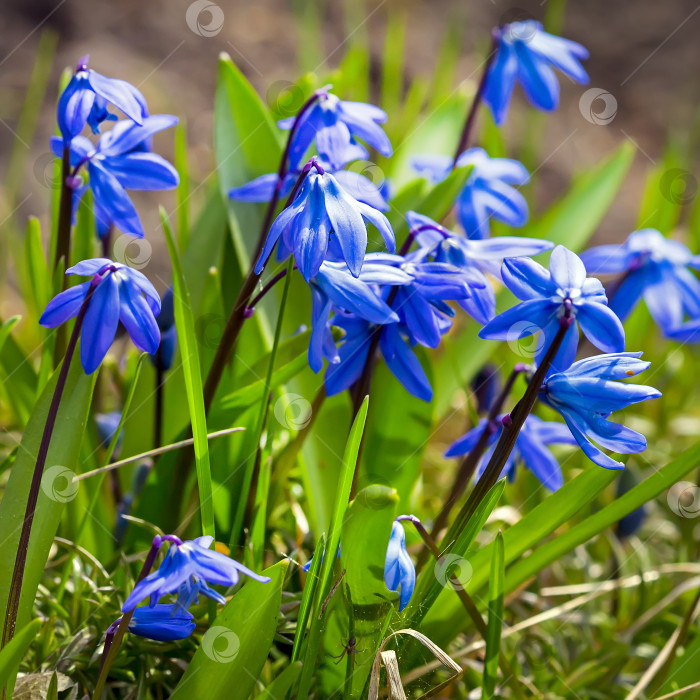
x=548, y=295
x=163, y=357
x=321, y=208
x=334, y=288
x=118, y=163
x=120, y=294
x=488, y=193
x=478, y=257
x=188, y=569
x=85, y=100
x=528, y=54
x=335, y=124
x=399, y=571
x=262, y=188
x=394, y=347
x=529, y=449
x=588, y=392
x=163, y=622
x=655, y=268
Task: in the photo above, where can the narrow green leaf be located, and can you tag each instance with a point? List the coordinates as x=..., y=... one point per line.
x=495, y=620
x=183, y=188
x=307, y=597
x=234, y=649
x=187, y=339
x=573, y=219
x=57, y=486
x=278, y=689
x=37, y=267
x=350, y=455
x=12, y=653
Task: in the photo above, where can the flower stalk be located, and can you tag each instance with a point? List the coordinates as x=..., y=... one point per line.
x=23, y=546
x=511, y=427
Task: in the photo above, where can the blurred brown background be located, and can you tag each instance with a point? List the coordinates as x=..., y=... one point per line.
x=645, y=53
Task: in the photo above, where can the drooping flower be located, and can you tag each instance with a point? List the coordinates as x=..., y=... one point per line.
x=85, y=100
x=118, y=163
x=164, y=622
x=527, y=54
x=322, y=210
x=188, y=569
x=530, y=449
x=488, y=193
x=549, y=295
x=119, y=294
x=107, y=424
x=334, y=288
x=654, y=268
x=399, y=571
x=479, y=257
x=588, y=392
x=335, y=124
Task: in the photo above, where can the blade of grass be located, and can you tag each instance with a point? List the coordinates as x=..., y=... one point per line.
x=187, y=339
x=495, y=621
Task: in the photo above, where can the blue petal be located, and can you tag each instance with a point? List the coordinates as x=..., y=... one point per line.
x=562, y=53
x=537, y=78
x=115, y=201
x=662, y=299
x=628, y=293
x=419, y=317
x=163, y=623
x=501, y=81
x=433, y=167
x=138, y=319
x=143, y=171
x=566, y=268
x=467, y=442
x=601, y=326
x=356, y=116
x=577, y=425
x=88, y=268
x=540, y=461
x=126, y=135
x=521, y=320
x=74, y=106
x=260, y=189
x=353, y=356
x=348, y=225
x=320, y=314
x=311, y=237
x=362, y=189
x=405, y=366
x=64, y=306
x=119, y=93
x=605, y=259
x=481, y=305
x=100, y=324
x=381, y=223
x=527, y=279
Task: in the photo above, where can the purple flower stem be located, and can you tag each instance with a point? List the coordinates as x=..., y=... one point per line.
x=506, y=442
x=470, y=462
x=23, y=544
x=471, y=115
x=240, y=310
x=117, y=630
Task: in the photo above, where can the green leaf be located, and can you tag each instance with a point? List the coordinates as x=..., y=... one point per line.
x=19, y=378
x=12, y=653
x=434, y=580
x=447, y=618
x=183, y=188
x=573, y=219
x=37, y=267
x=495, y=621
x=57, y=487
x=365, y=538
x=279, y=688
x=307, y=597
x=234, y=649
x=345, y=479
x=398, y=429
x=187, y=339
x=594, y=524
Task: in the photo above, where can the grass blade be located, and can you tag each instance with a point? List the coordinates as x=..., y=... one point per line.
x=495, y=622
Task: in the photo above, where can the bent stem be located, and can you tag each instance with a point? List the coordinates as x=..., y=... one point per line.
x=511, y=428
x=114, y=637
x=471, y=115
x=23, y=545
